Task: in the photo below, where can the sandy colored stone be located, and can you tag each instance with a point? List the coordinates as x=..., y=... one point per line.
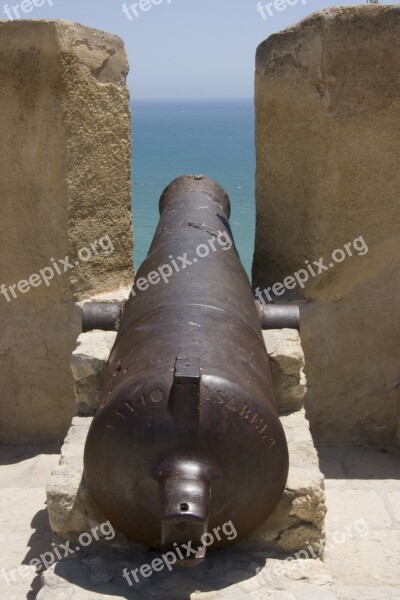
x=64, y=504
x=24, y=527
x=296, y=538
x=284, y=346
x=69, y=504
x=358, y=511
x=223, y=576
x=375, y=559
x=362, y=592
x=65, y=184
x=65, y=490
x=393, y=500
x=89, y=362
x=92, y=351
x=361, y=568
x=205, y=596
x=287, y=364
x=362, y=532
x=327, y=137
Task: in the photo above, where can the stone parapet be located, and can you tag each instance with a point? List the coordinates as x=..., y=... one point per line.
x=65, y=192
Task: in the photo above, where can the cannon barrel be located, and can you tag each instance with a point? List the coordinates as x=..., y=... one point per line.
x=187, y=437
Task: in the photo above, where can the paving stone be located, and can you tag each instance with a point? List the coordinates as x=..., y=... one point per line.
x=18, y=508
x=18, y=592
x=363, y=494
x=330, y=460
x=366, y=464
x=363, y=567
x=393, y=500
x=367, y=593
x=225, y=575
x=27, y=466
x=351, y=506
x=24, y=528
x=374, y=559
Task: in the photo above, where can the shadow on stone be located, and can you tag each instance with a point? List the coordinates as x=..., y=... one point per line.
x=11, y=455
x=101, y=572
x=360, y=463
x=39, y=542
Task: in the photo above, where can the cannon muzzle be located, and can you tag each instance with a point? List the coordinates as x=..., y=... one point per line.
x=187, y=438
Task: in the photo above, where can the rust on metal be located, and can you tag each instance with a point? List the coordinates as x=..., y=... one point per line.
x=105, y=316
x=187, y=437
x=279, y=315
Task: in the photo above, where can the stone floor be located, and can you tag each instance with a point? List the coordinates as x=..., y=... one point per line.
x=24, y=526
x=362, y=559
x=363, y=521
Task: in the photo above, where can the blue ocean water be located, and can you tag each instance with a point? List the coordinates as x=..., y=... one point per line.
x=173, y=138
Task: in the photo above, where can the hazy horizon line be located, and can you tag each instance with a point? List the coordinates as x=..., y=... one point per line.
x=221, y=99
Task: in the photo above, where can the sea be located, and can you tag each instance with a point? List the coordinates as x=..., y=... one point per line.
x=177, y=137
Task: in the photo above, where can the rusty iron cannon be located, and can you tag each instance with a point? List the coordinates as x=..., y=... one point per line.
x=187, y=437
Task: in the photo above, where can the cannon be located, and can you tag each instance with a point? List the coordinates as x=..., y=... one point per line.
x=187, y=436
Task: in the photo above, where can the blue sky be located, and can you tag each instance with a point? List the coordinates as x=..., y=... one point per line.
x=185, y=48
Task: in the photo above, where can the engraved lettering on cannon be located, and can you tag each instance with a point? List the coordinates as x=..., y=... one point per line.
x=157, y=396
x=243, y=411
x=137, y=399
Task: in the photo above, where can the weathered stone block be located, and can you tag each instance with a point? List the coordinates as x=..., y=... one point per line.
x=327, y=138
x=287, y=363
x=65, y=187
x=89, y=362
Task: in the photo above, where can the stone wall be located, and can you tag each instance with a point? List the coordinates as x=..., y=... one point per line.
x=64, y=185
x=328, y=150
